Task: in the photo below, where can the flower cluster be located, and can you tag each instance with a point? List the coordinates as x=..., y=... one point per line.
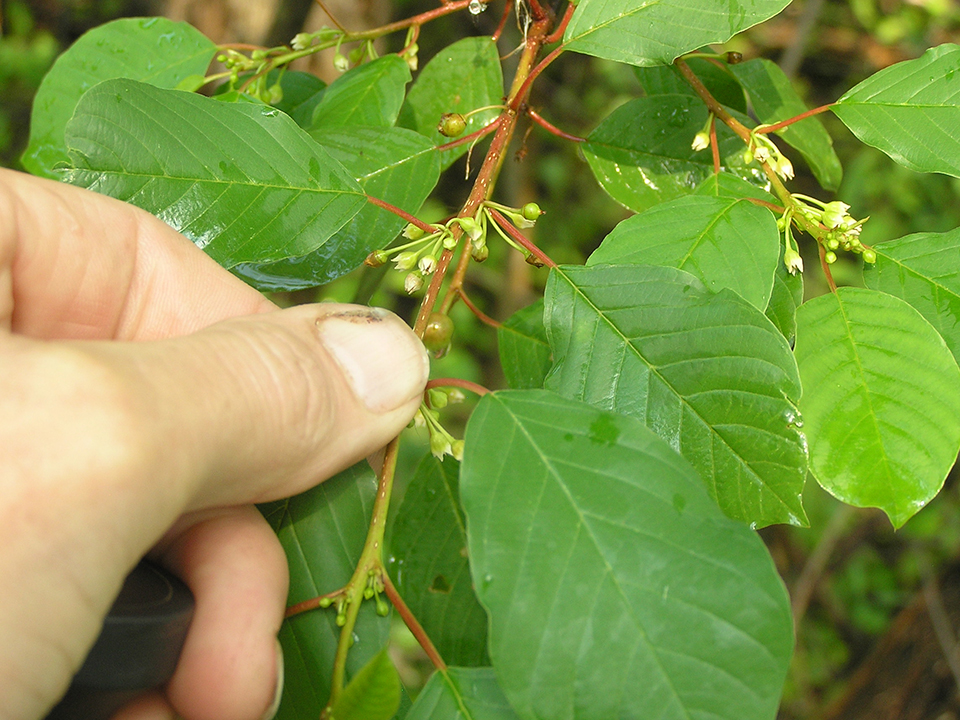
x=418, y=258
x=428, y=416
x=762, y=149
x=833, y=226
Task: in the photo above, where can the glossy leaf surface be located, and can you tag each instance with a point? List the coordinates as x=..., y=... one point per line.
x=881, y=400
x=369, y=94
x=911, y=111
x=727, y=185
x=524, y=350
x=641, y=153
x=372, y=694
x=725, y=242
x=666, y=80
x=239, y=179
x=322, y=532
x=603, y=562
x=923, y=269
x=429, y=544
x=655, y=33
x=152, y=50
x=462, y=694
x=460, y=78
x=774, y=99
x=708, y=373
x=392, y=164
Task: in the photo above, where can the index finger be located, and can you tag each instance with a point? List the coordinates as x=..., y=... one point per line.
x=78, y=265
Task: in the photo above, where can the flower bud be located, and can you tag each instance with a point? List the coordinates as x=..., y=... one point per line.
x=451, y=125
x=438, y=398
x=834, y=213
x=301, y=41
x=427, y=264
x=406, y=260
x=456, y=449
x=701, y=141
x=438, y=332
x=341, y=63
x=830, y=256
x=377, y=258
x=413, y=232
x=412, y=283
x=471, y=227
x=747, y=156
x=531, y=211
x=480, y=252
x=869, y=255
x=449, y=241
x=792, y=261
x=439, y=445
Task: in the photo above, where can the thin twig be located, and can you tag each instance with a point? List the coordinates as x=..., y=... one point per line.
x=512, y=231
x=401, y=213
x=551, y=128
x=460, y=383
x=481, y=316
x=826, y=268
x=790, y=121
x=311, y=604
x=412, y=623
x=557, y=34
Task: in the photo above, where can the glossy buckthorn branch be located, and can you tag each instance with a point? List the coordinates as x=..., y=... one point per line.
x=502, y=223
x=551, y=128
x=561, y=28
x=714, y=145
x=321, y=601
x=790, y=121
x=478, y=313
x=410, y=620
x=474, y=136
x=826, y=267
x=507, y=8
x=402, y=213
x=521, y=92
x=458, y=382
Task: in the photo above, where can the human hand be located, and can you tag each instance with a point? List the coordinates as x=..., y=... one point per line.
x=147, y=399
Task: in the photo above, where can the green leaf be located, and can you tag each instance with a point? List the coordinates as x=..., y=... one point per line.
x=725, y=242
x=666, y=80
x=239, y=179
x=730, y=186
x=369, y=94
x=923, y=270
x=656, y=33
x=911, y=111
x=785, y=299
x=881, y=400
x=429, y=544
x=774, y=99
x=392, y=164
x=301, y=93
x=153, y=50
x=615, y=587
x=524, y=350
x=641, y=153
x=322, y=532
x=708, y=373
x=373, y=694
x=460, y=78
x=462, y=694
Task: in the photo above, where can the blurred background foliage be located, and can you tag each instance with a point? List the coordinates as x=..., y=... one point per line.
x=877, y=611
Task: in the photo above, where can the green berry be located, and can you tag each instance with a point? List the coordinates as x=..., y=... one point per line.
x=376, y=259
x=869, y=255
x=451, y=125
x=480, y=253
x=531, y=211
x=734, y=57
x=438, y=332
x=830, y=257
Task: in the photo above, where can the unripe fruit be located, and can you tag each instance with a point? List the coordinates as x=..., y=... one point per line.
x=531, y=211
x=438, y=332
x=376, y=259
x=451, y=125
x=734, y=57
x=830, y=257
x=869, y=256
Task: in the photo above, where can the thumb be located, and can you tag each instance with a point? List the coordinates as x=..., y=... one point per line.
x=266, y=406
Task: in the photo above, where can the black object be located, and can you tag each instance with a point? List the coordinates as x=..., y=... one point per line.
x=138, y=647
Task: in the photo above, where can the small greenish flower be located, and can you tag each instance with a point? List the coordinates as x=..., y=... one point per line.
x=792, y=261
x=406, y=260
x=869, y=255
x=412, y=283
x=701, y=141
x=413, y=232
x=341, y=63
x=834, y=214
x=301, y=41
x=427, y=264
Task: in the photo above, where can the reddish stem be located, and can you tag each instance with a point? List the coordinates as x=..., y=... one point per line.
x=539, y=68
x=458, y=382
x=769, y=205
x=538, y=12
x=402, y=213
x=481, y=316
x=512, y=231
x=550, y=127
x=311, y=604
x=557, y=34
x=412, y=623
x=790, y=121
x=714, y=146
x=826, y=268
x=507, y=7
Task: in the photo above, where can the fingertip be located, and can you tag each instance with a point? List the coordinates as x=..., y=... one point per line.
x=149, y=707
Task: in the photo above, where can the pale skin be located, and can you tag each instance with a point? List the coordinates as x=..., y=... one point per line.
x=147, y=399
